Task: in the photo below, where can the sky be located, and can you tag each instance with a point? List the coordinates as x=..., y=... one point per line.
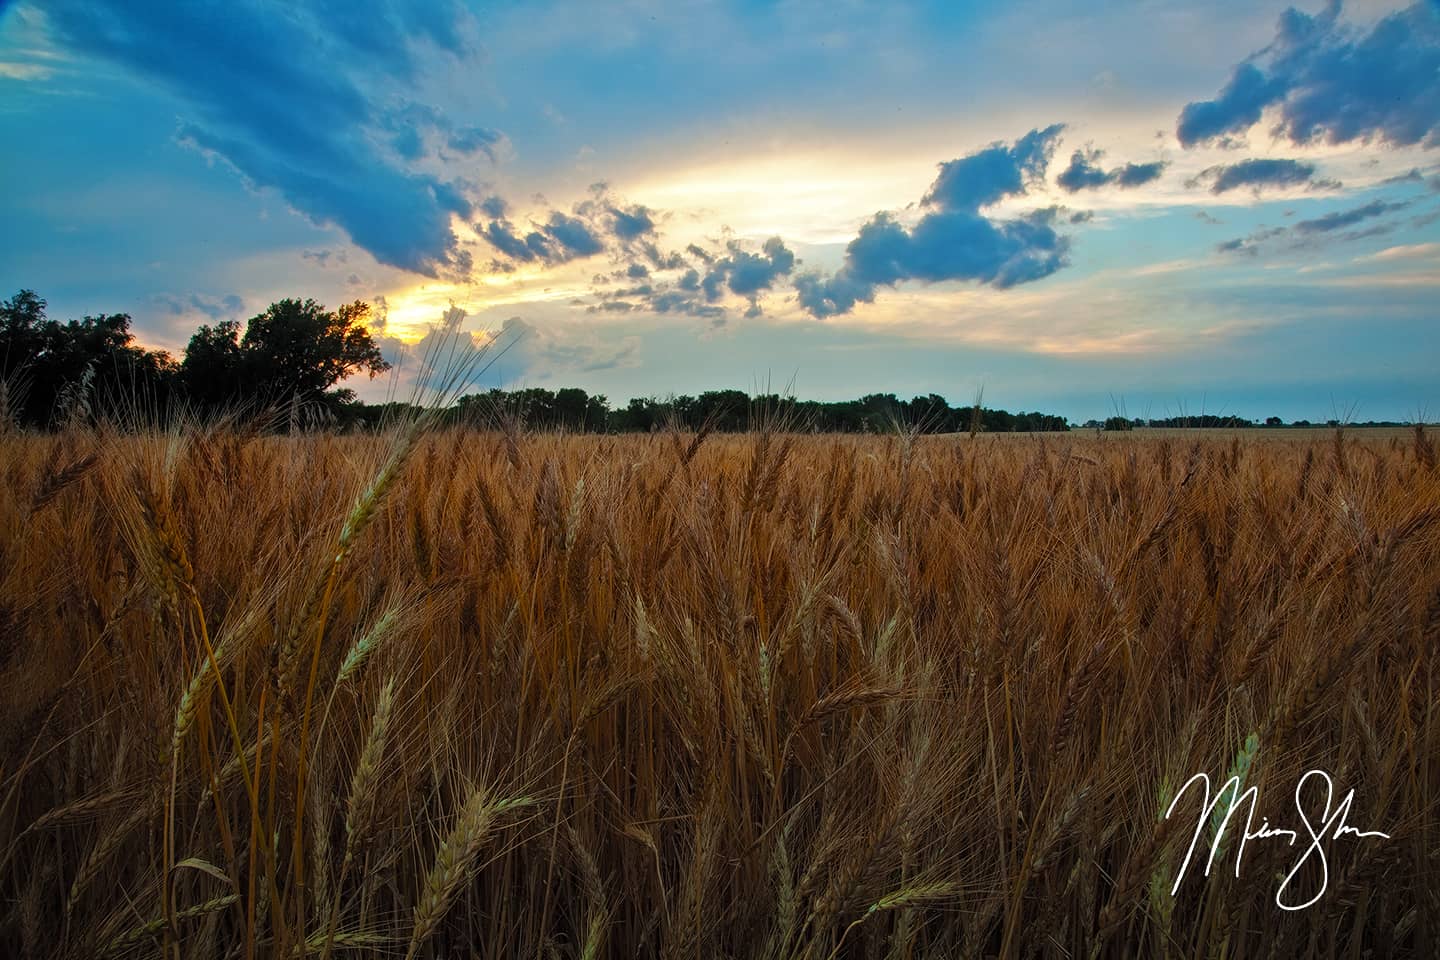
x=1152, y=208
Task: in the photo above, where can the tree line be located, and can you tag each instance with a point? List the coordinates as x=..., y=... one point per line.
x=735, y=410
x=297, y=353
x=1216, y=422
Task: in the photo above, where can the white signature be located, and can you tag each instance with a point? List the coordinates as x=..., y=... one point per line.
x=1332, y=825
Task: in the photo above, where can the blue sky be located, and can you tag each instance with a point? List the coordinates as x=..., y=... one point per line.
x=1225, y=207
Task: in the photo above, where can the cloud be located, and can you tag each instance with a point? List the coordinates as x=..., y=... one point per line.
x=631, y=224
x=419, y=131
x=469, y=141
x=423, y=366
x=591, y=227
x=1323, y=229
x=684, y=302
x=1333, y=83
x=292, y=97
x=627, y=223
x=705, y=280
x=401, y=219
x=1258, y=174
x=555, y=349
x=994, y=173
x=1238, y=107
x=1413, y=175
x=748, y=274
x=574, y=236
x=1137, y=174
x=953, y=240
x=1347, y=218
x=1085, y=173
x=1412, y=251
x=560, y=239
x=502, y=235
x=323, y=258
x=216, y=308
x=14, y=70
x=673, y=260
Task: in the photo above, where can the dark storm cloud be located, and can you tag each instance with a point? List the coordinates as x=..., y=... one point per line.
x=1334, y=83
x=271, y=89
x=402, y=219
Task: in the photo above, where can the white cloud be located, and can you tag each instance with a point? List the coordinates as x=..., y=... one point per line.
x=1409, y=251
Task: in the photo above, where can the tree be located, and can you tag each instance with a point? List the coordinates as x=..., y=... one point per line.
x=597, y=413
x=20, y=319
x=570, y=403
x=1274, y=422
x=213, y=371
x=54, y=370
x=295, y=350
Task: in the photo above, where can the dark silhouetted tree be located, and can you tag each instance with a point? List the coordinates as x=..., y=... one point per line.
x=53, y=370
x=213, y=371
x=295, y=350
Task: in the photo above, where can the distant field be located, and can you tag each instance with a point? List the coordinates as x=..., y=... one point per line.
x=1307, y=435
x=478, y=694
x=1304, y=434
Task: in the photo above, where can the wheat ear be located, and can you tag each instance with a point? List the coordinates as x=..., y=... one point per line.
x=454, y=859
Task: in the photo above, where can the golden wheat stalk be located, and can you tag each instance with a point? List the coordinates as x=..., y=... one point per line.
x=455, y=858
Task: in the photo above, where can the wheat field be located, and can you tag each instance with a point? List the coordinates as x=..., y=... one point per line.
x=495, y=694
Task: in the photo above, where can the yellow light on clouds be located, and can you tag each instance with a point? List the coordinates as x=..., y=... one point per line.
x=803, y=197
x=412, y=311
